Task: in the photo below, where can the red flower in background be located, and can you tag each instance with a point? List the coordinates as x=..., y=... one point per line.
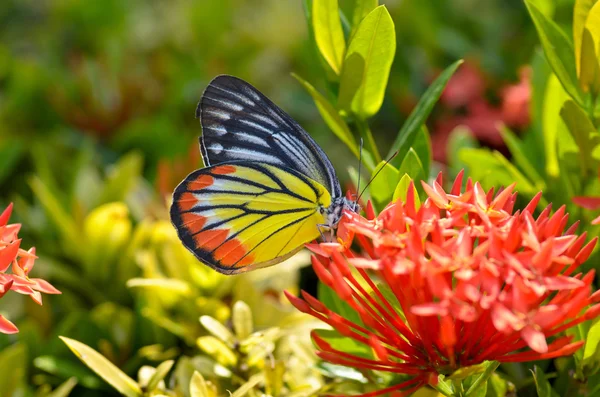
x=472, y=280
x=465, y=104
x=20, y=262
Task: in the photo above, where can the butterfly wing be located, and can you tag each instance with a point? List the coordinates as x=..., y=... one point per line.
x=242, y=215
x=240, y=123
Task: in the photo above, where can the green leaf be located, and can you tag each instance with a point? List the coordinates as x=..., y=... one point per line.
x=198, y=386
x=104, y=368
x=367, y=64
x=460, y=138
x=580, y=15
x=422, y=146
x=520, y=158
x=161, y=372
x=241, y=318
x=333, y=302
x=559, y=51
x=331, y=116
x=362, y=8
x=541, y=383
x=413, y=167
x=591, y=352
x=406, y=137
x=497, y=387
x=554, y=99
x=479, y=386
x=63, y=368
x=383, y=182
x=64, y=389
x=217, y=349
x=401, y=191
x=329, y=35
x=589, y=72
x=583, y=132
x=340, y=371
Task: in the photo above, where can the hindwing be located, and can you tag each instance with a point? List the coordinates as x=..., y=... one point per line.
x=241, y=215
x=240, y=123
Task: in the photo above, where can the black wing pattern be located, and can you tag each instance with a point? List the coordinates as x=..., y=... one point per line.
x=240, y=123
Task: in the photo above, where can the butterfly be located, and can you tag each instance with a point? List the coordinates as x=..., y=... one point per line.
x=266, y=190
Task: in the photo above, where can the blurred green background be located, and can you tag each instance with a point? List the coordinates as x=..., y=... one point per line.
x=97, y=126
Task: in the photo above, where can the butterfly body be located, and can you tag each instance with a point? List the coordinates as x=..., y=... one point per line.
x=266, y=190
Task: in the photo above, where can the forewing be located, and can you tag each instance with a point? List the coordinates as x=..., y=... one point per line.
x=242, y=215
x=240, y=123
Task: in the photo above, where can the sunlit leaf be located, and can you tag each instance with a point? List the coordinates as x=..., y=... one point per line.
x=555, y=97
x=401, y=190
x=343, y=343
x=329, y=35
x=249, y=385
x=241, y=318
x=217, y=349
x=13, y=361
x=161, y=372
x=559, y=51
x=367, y=64
x=217, y=329
x=407, y=134
x=104, y=368
x=331, y=116
x=198, y=386
x=591, y=352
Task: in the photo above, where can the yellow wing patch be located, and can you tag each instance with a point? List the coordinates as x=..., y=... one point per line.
x=242, y=215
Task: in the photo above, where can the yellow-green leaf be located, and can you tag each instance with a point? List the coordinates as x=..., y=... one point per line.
x=241, y=317
x=331, y=116
x=554, y=98
x=217, y=349
x=580, y=15
x=217, y=329
x=558, y=50
x=413, y=166
x=198, y=386
x=161, y=372
x=401, y=191
x=246, y=387
x=367, y=64
x=589, y=75
x=104, y=368
x=329, y=35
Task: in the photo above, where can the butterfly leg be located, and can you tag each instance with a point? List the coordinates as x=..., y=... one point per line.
x=319, y=226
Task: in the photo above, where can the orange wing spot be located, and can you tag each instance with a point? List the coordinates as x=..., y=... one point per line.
x=186, y=201
x=223, y=169
x=211, y=239
x=192, y=222
x=233, y=253
x=200, y=183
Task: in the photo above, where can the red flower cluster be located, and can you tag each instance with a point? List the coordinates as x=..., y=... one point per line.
x=22, y=263
x=472, y=281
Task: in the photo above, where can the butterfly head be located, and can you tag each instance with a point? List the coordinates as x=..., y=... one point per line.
x=334, y=212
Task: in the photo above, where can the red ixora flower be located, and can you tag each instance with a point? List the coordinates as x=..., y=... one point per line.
x=20, y=262
x=472, y=279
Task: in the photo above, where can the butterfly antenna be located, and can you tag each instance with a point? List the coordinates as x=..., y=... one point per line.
x=377, y=173
x=359, y=168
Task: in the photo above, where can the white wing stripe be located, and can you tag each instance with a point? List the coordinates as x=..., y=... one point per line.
x=256, y=125
x=236, y=107
x=237, y=95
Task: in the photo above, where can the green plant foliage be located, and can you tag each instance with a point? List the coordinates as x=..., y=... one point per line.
x=367, y=64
